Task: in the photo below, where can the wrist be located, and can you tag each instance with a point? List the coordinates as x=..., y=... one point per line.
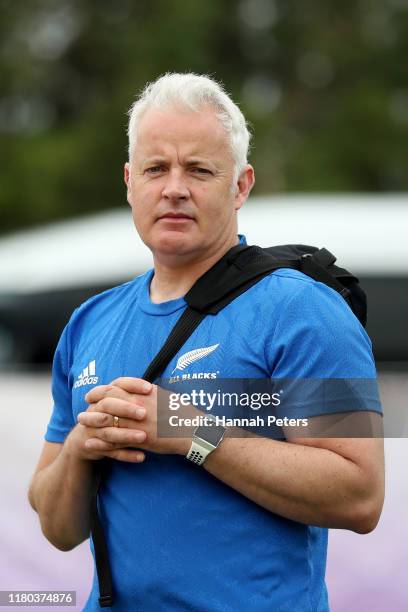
x=73, y=449
x=184, y=446
x=179, y=446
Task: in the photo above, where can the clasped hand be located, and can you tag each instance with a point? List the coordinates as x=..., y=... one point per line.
x=134, y=402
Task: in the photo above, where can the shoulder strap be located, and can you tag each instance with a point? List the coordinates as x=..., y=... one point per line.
x=239, y=269
x=102, y=563
x=184, y=327
x=186, y=324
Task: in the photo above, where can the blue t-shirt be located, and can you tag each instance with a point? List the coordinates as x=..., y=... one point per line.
x=178, y=538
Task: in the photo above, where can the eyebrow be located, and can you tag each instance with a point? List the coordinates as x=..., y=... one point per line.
x=154, y=159
x=198, y=160
x=192, y=161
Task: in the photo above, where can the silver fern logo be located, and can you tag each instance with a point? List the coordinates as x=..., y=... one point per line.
x=192, y=356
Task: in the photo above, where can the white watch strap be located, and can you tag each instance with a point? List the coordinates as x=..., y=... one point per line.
x=199, y=450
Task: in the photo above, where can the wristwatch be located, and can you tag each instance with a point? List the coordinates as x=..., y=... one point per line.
x=206, y=439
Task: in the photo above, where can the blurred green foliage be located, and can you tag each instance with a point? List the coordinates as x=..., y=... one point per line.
x=324, y=85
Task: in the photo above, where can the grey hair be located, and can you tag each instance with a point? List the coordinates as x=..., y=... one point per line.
x=194, y=92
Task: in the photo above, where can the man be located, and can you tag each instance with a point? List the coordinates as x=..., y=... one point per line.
x=247, y=529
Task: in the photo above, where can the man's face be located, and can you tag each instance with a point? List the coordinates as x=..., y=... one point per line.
x=179, y=184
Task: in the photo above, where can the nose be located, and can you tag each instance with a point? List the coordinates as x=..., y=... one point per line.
x=175, y=187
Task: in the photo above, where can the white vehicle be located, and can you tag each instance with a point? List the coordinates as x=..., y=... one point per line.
x=46, y=272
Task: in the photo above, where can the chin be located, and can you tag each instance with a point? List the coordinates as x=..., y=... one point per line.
x=173, y=243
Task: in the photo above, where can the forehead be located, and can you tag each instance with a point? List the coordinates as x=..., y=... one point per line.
x=162, y=132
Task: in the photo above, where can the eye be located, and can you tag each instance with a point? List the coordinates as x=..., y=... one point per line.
x=154, y=169
x=201, y=170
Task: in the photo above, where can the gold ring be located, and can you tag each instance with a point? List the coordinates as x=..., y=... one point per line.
x=116, y=421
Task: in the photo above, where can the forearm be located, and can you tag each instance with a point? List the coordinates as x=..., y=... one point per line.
x=310, y=485
x=61, y=494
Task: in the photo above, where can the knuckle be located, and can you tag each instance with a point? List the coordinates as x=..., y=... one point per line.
x=131, y=409
x=104, y=435
x=139, y=436
x=130, y=438
x=102, y=404
x=93, y=407
x=105, y=419
x=121, y=455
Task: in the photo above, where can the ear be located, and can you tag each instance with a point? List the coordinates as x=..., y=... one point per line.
x=128, y=182
x=245, y=182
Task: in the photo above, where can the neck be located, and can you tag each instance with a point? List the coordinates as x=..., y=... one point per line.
x=170, y=283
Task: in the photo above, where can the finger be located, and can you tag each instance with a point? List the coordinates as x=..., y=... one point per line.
x=98, y=419
x=95, y=419
x=97, y=444
x=117, y=435
x=97, y=393
x=133, y=385
x=131, y=456
x=111, y=450
x=118, y=407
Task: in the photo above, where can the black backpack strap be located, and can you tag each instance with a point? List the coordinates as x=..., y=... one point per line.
x=103, y=569
x=189, y=320
x=324, y=258
x=340, y=279
x=182, y=330
x=242, y=267
x=312, y=266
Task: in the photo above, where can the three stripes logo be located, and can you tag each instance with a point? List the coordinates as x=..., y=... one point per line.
x=87, y=376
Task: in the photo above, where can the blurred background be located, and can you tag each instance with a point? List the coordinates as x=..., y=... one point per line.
x=324, y=86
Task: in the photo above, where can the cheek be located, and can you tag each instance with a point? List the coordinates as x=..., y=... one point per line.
x=142, y=221
x=144, y=203
x=208, y=196
x=219, y=204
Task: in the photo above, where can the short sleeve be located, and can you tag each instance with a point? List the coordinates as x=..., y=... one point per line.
x=62, y=420
x=316, y=337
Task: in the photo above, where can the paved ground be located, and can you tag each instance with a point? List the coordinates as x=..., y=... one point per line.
x=365, y=573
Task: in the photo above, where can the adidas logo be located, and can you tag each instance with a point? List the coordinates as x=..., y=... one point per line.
x=87, y=376
x=192, y=356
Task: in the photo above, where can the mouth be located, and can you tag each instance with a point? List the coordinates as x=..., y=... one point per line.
x=175, y=217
